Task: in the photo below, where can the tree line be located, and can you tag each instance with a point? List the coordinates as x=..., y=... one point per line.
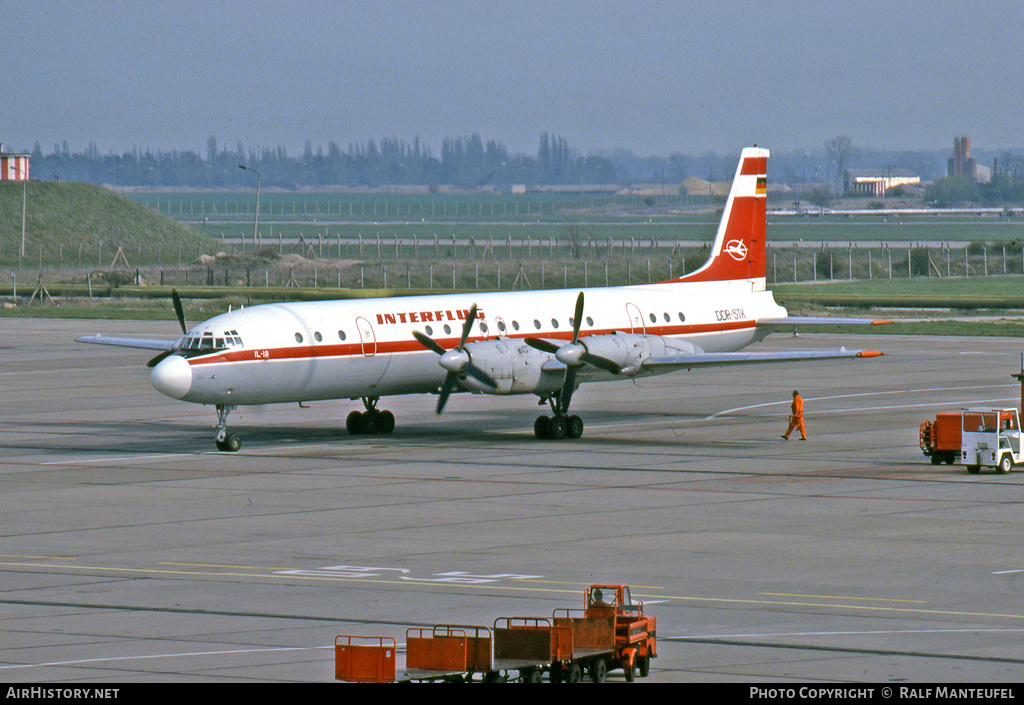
x=464, y=161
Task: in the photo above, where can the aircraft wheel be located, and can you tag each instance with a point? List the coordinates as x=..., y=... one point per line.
x=574, y=427
x=558, y=427
x=231, y=443
x=353, y=422
x=369, y=422
x=542, y=427
x=387, y=422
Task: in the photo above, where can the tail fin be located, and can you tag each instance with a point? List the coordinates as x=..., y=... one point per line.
x=739, y=249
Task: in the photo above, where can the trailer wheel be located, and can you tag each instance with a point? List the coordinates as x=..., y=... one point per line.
x=643, y=666
x=533, y=675
x=629, y=670
x=573, y=674
x=598, y=670
x=973, y=469
x=1005, y=464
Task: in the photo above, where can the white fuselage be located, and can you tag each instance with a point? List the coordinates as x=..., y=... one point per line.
x=291, y=352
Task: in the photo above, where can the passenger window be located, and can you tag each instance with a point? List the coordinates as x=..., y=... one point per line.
x=298, y=337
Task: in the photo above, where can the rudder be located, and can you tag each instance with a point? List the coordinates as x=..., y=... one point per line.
x=739, y=248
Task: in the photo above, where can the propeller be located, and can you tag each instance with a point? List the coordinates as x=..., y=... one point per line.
x=180, y=313
x=456, y=360
x=573, y=355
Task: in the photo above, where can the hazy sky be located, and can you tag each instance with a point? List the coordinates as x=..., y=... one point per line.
x=651, y=77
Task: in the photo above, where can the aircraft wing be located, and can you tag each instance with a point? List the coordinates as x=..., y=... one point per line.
x=687, y=361
x=820, y=321
x=145, y=343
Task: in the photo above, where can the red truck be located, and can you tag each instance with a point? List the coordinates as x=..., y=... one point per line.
x=611, y=633
x=940, y=439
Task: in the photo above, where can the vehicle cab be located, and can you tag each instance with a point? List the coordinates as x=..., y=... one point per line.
x=990, y=438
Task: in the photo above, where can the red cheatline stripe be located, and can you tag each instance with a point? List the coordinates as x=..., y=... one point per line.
x=398, y=346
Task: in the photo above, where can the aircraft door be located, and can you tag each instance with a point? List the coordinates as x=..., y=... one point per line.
x=636, y=319
x=374, y=363
x=366, y=337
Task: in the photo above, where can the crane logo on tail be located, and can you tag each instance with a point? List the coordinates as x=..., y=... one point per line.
x=737, y=249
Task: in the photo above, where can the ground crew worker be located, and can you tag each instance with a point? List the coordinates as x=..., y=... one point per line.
x=796, y=417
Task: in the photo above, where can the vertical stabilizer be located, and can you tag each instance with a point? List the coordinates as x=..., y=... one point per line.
x=739, y=249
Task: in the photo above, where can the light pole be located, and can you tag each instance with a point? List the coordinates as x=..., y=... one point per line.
x=256, y=225
x=24, y=198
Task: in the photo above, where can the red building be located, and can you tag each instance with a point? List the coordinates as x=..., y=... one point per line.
x=13, y=167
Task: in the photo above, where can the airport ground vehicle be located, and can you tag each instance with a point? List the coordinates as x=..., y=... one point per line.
x=940, y=439
x=611, y=633
x=990, y=438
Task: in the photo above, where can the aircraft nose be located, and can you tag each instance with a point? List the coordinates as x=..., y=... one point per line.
x=172, y=376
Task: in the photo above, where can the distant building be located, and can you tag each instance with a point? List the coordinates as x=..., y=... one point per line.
x=961, y=163
x=13, y=167
x=877, y=181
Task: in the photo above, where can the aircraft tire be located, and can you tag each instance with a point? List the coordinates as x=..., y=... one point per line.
x=558, y=427
x=231, y=443
x=542, y=427
x=387, y=422
x=369, y=422
x=574, y=427
x=353, y=422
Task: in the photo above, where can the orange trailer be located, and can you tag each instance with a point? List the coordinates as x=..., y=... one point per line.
x=940, y=439
x=612, y=632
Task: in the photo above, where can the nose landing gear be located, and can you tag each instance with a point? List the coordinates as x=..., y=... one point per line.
x=227, y=442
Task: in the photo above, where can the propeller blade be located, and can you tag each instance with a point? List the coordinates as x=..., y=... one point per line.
x=446, y=390
x=568, y=387
x=178, y=310
x=156, y=360
x=577, y=318
x=542, y=345
x=601, y=362
x=471, y=369
x=467, y=326
x=428, y=343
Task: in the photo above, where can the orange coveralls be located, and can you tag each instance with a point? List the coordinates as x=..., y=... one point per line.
x=796, y=418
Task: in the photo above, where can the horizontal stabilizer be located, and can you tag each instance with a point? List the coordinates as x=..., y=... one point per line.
x=663, y=364
x=145, y=343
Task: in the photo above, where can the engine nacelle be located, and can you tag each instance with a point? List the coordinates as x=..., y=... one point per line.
x=629, y=350
x=512, y=364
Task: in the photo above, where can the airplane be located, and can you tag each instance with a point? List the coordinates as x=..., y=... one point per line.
x=545, y=343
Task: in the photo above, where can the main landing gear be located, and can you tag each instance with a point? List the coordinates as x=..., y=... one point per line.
x=373, y=420
x=559, y=425
x=229, y=442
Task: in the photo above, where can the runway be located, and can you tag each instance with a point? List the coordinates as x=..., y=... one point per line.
x=132, y=551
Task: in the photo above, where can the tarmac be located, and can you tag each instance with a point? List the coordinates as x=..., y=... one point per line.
x=133, y=552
